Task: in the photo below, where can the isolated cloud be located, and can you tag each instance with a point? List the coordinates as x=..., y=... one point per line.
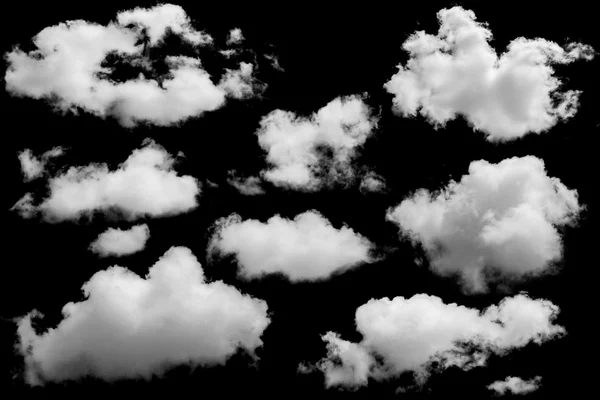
x=515, y=385
x=145, y=184
x=249, y=186
x=66, y=68
x=457, y=72
x=306, y=248
x=297, y=146
x=117, y=242
x=500, y=218
x=235, y=36
x=371, y=182
x=33, y=167
x=134, y=327
x=410, y=334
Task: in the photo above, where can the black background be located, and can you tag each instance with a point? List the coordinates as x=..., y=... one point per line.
x=326, y=52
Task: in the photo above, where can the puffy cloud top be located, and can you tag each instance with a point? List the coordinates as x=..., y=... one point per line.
x=499, y=217
x=306, y=248
x=457, y=72
x=134, y=327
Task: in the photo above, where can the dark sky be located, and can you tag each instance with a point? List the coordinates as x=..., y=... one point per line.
x=325, y=54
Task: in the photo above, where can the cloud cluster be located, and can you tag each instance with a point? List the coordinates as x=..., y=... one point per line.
x=297, y=147
x=306, y=248
x=33, y=167
x=118, y=242
x=67, y=69
x=499, y=222
x=134, y=327
x=145, y=184
x=457, y=72
x=410, y=334
x=515, y=385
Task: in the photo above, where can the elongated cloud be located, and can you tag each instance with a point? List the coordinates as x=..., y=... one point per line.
x=118, y=242
x=134, y=327
x=297, y=146
x=145, y=184
x=515, y=385
x=250, y=186
x=409, y=334
x=457, y=72
x=33, y=167
x=306, y=248
x=66, y=69
x=500, y=219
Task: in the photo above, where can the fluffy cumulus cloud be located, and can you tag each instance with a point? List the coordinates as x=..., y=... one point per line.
x=515, y=385
x=134, y=327
x=305, y=248
x=33, y=167
x=66, y=68
x=498, y=223
x=144, y=185
x=457, y=72
x=308, y=152
x=409, y=334
x=118, y=242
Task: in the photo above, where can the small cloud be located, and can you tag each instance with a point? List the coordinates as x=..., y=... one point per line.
x=515, y=385
x=117, y=242
x=33, y=167
x=249, y=186
x=235, y=36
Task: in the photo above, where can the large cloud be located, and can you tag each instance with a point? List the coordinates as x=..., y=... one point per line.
x=33, y=167
x=293, y=143
x=515, y=385
x=306, y=248
x=66, y=69
x=145, y=184
x=457, y=72
x=500, y=218
x=118, y=242
x=409, y=334
x=134, y=327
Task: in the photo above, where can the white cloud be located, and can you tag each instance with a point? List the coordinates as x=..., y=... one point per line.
x=66, y=64
x=118, y=242
x=499, y=218
x=457, y=72
x=32, y=167
x=235, y=36
x=372, y=182
x=306, y=248
x=291, y=141
x=145, y=184
x=408, y=334
x=515, y=385
x=249, y=186
x=240, y=83
x=134, y=327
